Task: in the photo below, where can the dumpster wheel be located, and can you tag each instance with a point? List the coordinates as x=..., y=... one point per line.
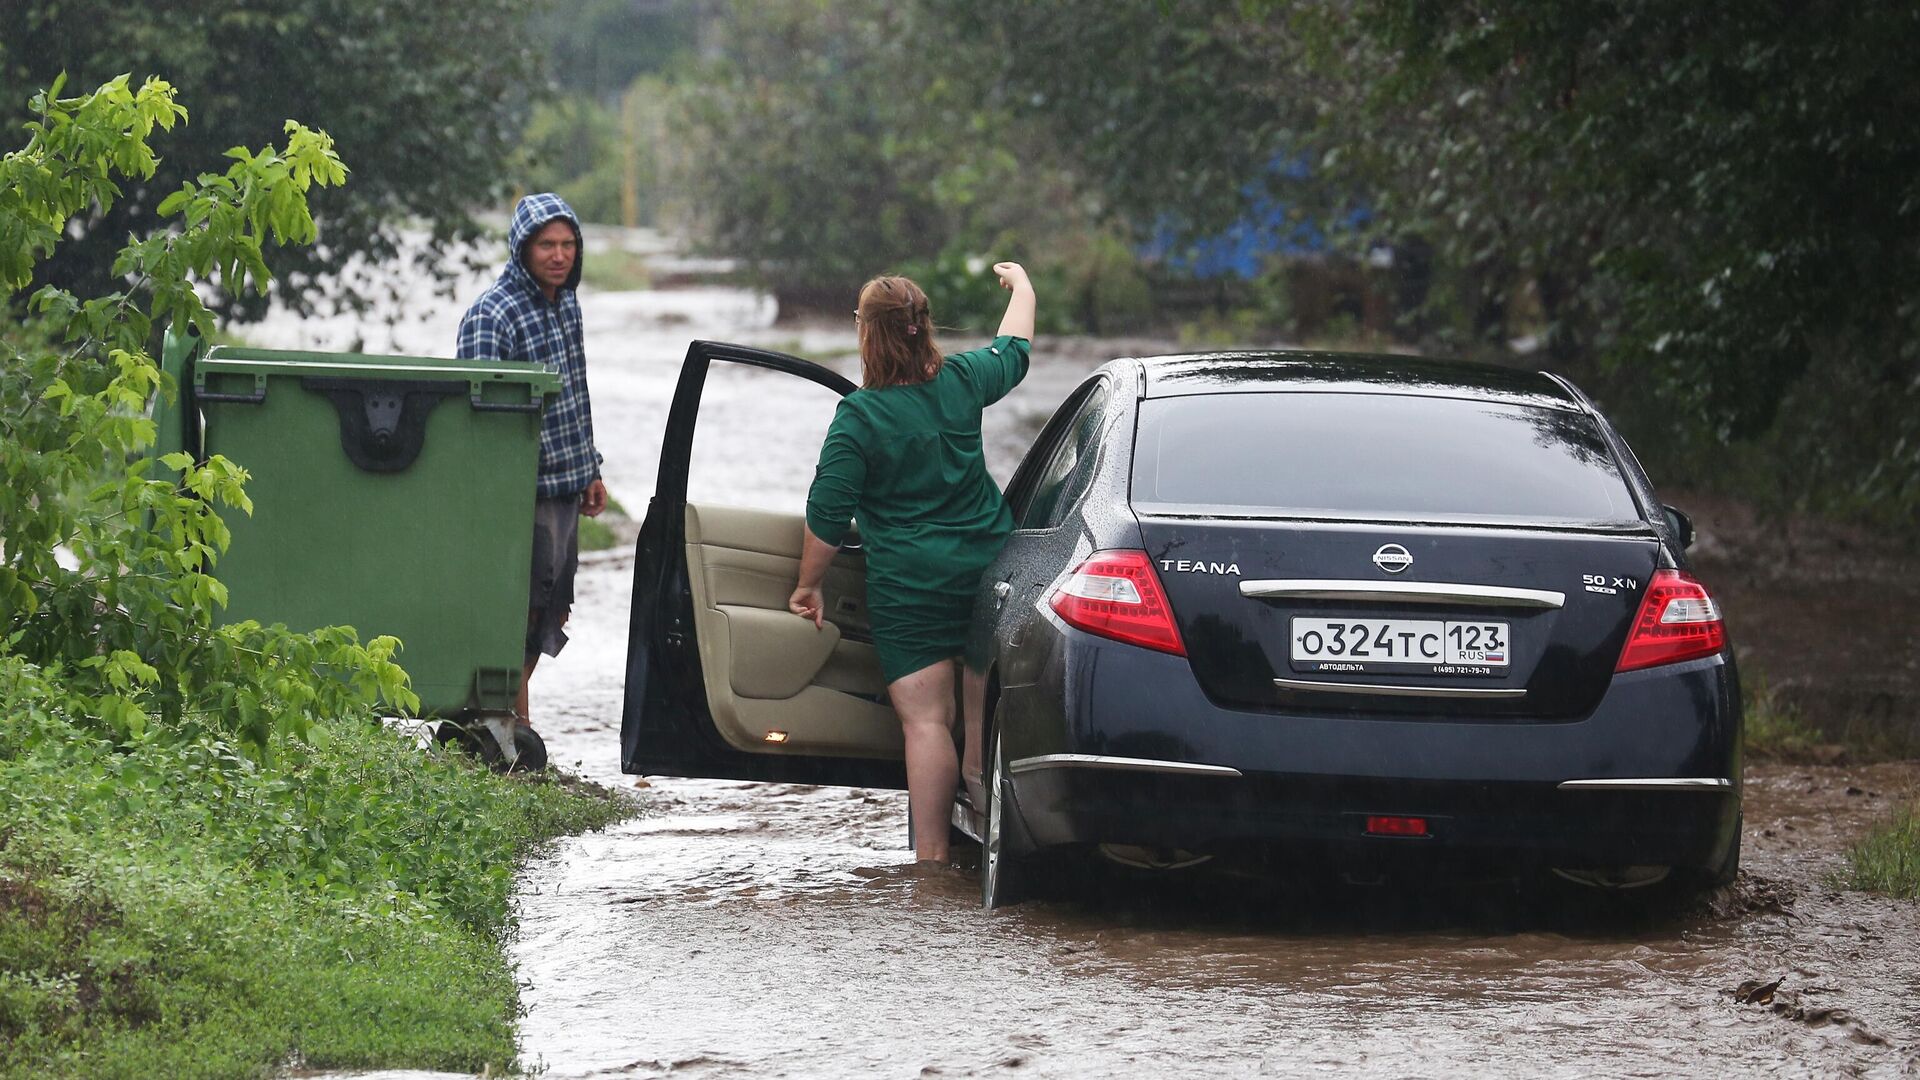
x=474, y=733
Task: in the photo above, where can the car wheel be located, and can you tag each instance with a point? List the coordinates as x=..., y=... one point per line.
x=1707, y=879
x=1729, y=867
x=1001, y=877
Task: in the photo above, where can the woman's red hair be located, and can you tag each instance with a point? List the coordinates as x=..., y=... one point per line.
x=896, y=334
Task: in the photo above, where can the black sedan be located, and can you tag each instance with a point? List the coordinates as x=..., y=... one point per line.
x=1380, y=615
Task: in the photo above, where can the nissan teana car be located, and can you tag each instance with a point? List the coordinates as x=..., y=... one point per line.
x=1376, y=615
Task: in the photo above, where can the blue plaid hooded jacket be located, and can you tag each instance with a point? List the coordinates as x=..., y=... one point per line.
x=513, y=320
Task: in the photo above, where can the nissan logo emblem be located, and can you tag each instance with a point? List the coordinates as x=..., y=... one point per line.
x=1392, y=558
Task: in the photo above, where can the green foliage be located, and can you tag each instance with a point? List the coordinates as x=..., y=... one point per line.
x=961, y=290
x=573, y=146
x=213, y=859
x=1172, y=110
x=967, y=298
x=599, y=534
x=105, y=580
x=807, y=176
x=615, y=270
x=823, y=147
x=172, y=908
x=1773, y=730
x=597, y=48
x=1718, y=202
x=1104, y=287
x=1708, y=213
x=1888, y=860
x=425, y=97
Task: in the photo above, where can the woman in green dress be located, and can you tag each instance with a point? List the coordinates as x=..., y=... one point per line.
x=903, y=457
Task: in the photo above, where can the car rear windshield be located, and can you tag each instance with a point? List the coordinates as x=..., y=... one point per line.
x=1366, y=456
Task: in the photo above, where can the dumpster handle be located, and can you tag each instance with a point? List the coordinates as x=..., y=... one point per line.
x=258, y=395
x=533, y=406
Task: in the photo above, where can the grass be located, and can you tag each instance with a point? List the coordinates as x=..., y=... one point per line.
x=823, y=357
x=616, y=271
x=1774, y=730
x=597, y=534
x=170, y=908
x=1888, y=860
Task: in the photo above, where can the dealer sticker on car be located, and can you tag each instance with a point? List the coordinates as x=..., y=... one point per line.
x=1404, y=646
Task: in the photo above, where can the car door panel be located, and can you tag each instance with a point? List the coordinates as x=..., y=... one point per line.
x=775, y=683
x=722, y=680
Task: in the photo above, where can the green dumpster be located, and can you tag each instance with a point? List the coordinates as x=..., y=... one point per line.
x=393, y=494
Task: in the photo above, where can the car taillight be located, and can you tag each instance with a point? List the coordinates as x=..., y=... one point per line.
x=1116, y=594
x=1677, y=621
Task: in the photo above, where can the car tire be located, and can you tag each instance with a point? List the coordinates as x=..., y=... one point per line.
x=1003, y=875
x=1707, y=879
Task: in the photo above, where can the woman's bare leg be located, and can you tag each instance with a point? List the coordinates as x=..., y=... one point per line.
x=924, y=703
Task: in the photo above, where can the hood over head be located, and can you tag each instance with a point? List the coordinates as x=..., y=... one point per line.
x=533, y=212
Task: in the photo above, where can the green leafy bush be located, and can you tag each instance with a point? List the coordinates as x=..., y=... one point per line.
x=213, y=858
x=966, y=296
x=173, y=908
x=106, y=581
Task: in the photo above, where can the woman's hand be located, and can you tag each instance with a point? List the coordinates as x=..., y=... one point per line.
x=808, y=604
x=1018, y=321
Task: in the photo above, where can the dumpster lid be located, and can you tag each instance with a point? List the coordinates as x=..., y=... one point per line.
x=226, y=359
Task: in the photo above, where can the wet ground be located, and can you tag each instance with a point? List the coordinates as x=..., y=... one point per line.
x=778, y=930
x=766, y=930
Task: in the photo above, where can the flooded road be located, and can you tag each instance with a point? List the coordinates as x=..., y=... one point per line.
x=778, y=930
x=769, y=930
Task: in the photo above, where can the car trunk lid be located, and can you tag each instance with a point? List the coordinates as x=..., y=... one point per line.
x=1449, y=621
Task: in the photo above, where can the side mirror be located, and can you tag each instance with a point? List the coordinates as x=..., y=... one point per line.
x=1680, y=525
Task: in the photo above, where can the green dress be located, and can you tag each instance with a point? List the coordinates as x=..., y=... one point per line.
x=906, y=461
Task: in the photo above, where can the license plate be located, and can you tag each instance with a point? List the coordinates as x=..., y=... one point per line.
x=1401, y=646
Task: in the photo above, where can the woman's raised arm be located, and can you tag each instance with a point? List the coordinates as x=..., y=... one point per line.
x=1018, y=321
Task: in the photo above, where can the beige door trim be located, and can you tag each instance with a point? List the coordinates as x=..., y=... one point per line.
x=767, y=670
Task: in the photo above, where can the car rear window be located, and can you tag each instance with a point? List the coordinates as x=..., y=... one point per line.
x=1388, y=456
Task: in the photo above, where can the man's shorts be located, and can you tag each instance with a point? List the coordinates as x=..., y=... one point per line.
x=556, y=555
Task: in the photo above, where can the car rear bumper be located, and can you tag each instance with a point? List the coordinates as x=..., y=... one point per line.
x=1467, y=824
x=1140, y=756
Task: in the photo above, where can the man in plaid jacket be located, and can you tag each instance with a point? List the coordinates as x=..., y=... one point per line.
x=531, y=313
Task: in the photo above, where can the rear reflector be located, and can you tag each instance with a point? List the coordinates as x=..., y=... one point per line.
x=1396, y=826
x=1677, y=621
x=1116, y=595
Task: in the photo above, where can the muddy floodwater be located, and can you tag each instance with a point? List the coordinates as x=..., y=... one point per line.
x=780, y=931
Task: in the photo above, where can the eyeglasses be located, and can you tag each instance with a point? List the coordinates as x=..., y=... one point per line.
x=856, y=315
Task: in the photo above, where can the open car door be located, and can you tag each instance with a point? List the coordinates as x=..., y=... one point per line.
x=722, y=680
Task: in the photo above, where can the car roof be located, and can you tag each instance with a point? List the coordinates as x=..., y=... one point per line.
x=1306, y=371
